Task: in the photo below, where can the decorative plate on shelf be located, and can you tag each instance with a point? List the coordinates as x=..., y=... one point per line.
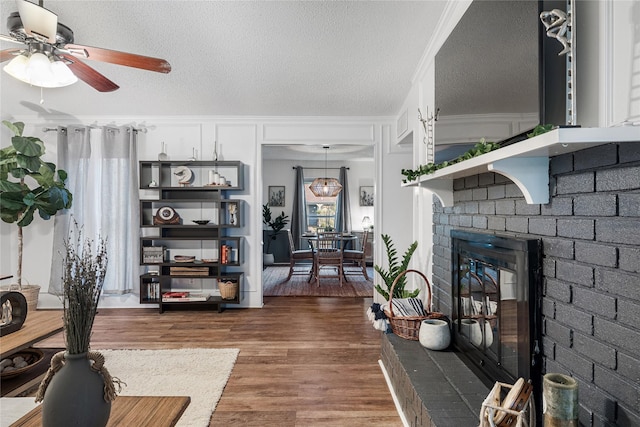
x=184, y=258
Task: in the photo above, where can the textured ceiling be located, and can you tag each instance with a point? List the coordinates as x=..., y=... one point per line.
x=311, y=58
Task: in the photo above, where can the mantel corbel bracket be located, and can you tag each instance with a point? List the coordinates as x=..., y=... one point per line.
x=530, y=174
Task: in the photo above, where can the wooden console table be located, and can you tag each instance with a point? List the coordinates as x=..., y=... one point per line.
x=139, y=411
x=39, y=325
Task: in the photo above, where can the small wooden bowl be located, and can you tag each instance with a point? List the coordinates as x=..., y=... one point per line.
x=32, y=356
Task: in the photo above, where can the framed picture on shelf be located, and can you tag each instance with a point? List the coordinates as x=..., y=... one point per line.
x=276, y=195
x=366, y=196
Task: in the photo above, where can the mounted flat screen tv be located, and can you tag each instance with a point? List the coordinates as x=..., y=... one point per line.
x=497, y=76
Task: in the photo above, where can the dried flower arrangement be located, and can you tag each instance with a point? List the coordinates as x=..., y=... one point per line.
x=82, y=281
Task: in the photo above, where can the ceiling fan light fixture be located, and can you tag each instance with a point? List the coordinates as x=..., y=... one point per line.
x=39, y=70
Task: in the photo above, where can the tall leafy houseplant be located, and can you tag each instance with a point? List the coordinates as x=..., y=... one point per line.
x=395, y=268
x=276, y=224
x=28, y=184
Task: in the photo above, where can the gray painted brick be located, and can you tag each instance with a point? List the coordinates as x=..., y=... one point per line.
x=627, y=416
x=621, y=336
x=505, y=207
x=480, y=222
x=574, y=273
x=548, y=308
x=596, y=399
x=579, y=183
x=558, y=290
x=579, y=365
x=618, y=283
x=595, y=302
x=501, y=179
x=479, y=194
x=495, y=192
x=561, y=164
x=542, y=226
x=629, y=366
x=558, y=206
x=618, y=386
x=603, y=155
x=462, y=196
x=629, y=152
x=600, y=353
x=595, y=253
x=496, y=223
x=629, y=259
x=458, y=184
x=471, y=181
x=561, y=334
x=558, y=248
x=576, y=228
x=629, y=312
x=618, y=230
x=487, y=208
x=629, y=204
x=519, y=225
x=471, y=208
x=466, y=220
x=524, y=208
x=549, y=267
x=512, y=190
x=574, y=318
x=486, y=178
x=595, y=205
x=618, y=179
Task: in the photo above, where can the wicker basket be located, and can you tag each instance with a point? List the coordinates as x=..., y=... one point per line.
x=30, y=292
x=228, y=289
x=408, y=327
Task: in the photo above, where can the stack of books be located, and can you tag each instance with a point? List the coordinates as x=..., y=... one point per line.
x=183, y=297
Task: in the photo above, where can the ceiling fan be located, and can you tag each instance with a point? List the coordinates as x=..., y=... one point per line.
x=49, y=44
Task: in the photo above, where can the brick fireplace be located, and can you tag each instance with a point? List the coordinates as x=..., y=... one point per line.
x=590, y=233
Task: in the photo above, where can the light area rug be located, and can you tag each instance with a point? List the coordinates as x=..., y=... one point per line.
x=198, y=373
x=274, y=283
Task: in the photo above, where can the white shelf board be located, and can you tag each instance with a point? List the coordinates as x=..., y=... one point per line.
x=526, y=163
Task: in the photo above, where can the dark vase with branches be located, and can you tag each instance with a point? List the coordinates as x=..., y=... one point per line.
x=78, y=389
x=276, y=224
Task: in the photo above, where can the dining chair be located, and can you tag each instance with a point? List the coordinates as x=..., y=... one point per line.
x=328, y=255
x=299, y=257
x=358, y=258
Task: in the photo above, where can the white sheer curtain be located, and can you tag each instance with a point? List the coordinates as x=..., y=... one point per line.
x=102, y=169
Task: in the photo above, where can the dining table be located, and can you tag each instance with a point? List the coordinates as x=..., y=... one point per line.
x=346, y=239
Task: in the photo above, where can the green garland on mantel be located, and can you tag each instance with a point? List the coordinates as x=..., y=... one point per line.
x=482, y=147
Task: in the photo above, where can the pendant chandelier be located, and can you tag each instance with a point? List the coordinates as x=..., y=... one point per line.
x=325, y=187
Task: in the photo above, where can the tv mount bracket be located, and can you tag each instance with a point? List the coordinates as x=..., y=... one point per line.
x=560, y=25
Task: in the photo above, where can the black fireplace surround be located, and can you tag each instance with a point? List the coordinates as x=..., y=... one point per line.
x=496, y=307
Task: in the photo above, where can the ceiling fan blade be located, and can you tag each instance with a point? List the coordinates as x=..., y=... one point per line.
x=9, y=39
x=88, y=74
x=121, y=58
x=8, y=54
x=38, y=22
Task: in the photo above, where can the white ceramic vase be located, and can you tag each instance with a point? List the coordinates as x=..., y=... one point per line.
x=434, y=334
x=472, y=330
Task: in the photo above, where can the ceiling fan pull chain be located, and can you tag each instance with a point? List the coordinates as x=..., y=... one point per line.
x=41, y=95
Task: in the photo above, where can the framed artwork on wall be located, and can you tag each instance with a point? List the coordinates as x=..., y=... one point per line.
x=276, y=195
x=366, y=196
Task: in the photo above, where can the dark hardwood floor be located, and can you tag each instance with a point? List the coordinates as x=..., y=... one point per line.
x=304, y=361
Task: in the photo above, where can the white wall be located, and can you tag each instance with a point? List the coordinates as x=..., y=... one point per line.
x=238, y=139
x=281, y=173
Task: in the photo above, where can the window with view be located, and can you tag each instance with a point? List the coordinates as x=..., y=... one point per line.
x=321, y=211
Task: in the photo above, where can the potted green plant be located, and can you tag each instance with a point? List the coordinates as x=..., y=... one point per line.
x=395, y=268
x=276, y=224
x=29, y=184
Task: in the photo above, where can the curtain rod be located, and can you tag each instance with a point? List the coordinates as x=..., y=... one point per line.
x=320, y=168
x=46, y=129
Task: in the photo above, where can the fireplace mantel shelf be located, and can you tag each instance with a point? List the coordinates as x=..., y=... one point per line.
x=525, y=163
